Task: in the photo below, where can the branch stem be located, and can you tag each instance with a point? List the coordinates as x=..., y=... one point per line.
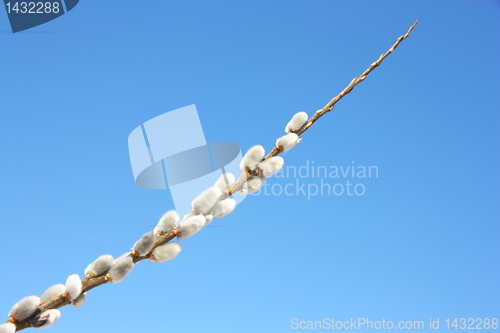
x=91, y=283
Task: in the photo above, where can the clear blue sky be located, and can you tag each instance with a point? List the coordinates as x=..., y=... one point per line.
x=421, y=242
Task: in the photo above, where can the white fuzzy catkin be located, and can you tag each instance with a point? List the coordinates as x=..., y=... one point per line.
x=73, y=287
x=167, y=222
x=253, y=156
x=225, y=181
x=190, y=226
x=145, y=244
x=208, y=220
x=79, y=301
x=270, y=166
x=25, y=308
x=287, y=142
x=165, y=252
x=46, y=319
x=206, y=200
x=53, y=292
x=120, y=269
x=100, y=266
x=223, y=208
x=7, y=328
x=126, y=254
x=296, y=122
x=252, y=185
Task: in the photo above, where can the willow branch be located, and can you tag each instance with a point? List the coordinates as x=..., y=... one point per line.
x=91, y=283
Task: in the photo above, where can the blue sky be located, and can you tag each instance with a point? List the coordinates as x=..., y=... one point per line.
x=420, y=243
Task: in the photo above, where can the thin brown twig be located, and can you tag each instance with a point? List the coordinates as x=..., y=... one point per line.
x=240, y=182
x=91, y=283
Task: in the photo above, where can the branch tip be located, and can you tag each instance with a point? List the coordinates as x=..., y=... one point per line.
x=411, y=28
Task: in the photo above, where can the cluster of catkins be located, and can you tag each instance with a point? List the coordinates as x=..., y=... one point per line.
x=28, y=307
x=252, y=161
x=206, y=206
